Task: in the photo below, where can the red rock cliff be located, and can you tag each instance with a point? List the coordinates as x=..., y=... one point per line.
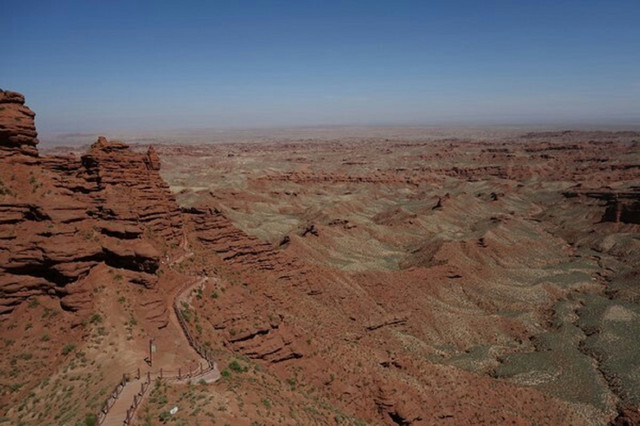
x=61, y=216
x=18, y=136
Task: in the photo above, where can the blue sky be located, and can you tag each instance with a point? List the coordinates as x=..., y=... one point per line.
x=151, y=65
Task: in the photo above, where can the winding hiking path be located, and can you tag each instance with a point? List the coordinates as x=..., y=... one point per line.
x=136, y=391
x=118, y=412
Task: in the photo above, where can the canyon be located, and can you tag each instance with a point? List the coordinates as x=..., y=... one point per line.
x=355, y=280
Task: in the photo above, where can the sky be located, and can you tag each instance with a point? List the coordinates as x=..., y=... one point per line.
x=90, y=65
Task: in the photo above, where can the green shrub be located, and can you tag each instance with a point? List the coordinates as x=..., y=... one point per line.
x=91, y=420
x=68, y=348
x=186, y=314
x=237, y=367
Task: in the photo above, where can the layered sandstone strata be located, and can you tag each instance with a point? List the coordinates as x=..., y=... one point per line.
x=17, y=128
x=62, y=216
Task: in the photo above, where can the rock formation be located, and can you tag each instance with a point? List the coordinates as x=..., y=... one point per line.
x=216, y=232
x=619, y=206
x=131, y=191
x=62, y=216
x=18, y=134
x=504, y=302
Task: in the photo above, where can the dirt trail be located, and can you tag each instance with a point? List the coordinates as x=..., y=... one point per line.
x=134, y=394
x=118, y=412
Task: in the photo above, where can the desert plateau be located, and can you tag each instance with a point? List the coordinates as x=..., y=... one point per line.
x=320, y=213
x=397, y=279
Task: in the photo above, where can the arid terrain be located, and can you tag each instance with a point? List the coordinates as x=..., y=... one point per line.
x=339, y=280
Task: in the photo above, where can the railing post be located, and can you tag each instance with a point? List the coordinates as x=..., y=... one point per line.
x=203, y=351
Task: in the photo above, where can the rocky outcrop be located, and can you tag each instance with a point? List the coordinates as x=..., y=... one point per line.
x=45, y=252
x=131, y=190
x=18, y=136
x=152, y=160
x=156, y=311
x=620, y=206
x=396, y=407
x=388, y=321
x=216, y=232
x=271, y=342
x=309, y=229
x=62, y=216
x=386, y=177
x=137, y=255
x=627, y=417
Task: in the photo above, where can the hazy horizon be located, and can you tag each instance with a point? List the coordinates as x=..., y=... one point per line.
x=118, y=67
x=318, y=133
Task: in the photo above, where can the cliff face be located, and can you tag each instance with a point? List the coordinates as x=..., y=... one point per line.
x=18, y=136
x=62, y=216
x=619, y=206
